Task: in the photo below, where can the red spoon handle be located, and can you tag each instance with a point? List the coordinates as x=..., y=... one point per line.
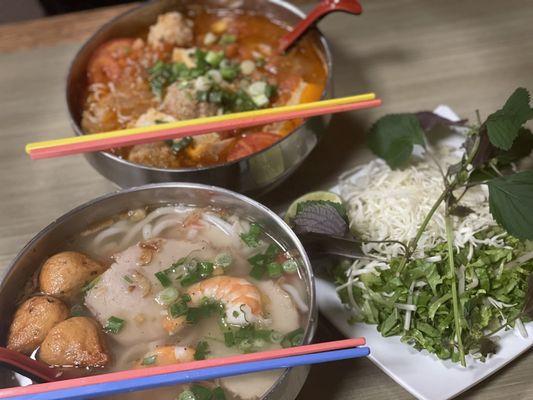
x=323, y=8
x=26, y=366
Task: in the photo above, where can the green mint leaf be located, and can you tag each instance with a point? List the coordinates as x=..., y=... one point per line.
x=503, y=125
x=393, y=137
x=511, y=203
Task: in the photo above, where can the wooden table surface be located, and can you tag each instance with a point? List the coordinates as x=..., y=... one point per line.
x=415, y=54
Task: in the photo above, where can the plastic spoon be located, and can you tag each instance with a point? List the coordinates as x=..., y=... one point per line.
x=322, y=9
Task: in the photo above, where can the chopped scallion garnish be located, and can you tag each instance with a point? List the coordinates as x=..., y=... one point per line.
x=114, y=325
x=167, y=296
x=150, y=360
x=202, y=349
x=163, y=278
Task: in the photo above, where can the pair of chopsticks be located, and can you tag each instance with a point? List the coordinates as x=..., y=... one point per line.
x=193, y=127
x=149, y=378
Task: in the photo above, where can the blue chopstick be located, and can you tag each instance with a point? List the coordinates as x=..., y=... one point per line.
x=150, y=382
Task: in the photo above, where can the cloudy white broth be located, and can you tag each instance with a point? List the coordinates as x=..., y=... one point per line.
x=165, y=285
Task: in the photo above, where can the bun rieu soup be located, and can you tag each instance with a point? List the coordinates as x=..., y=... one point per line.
x=195, y=65
x=165, y=285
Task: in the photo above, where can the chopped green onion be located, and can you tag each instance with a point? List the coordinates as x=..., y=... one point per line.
x=207, y=309
x=276, y=337
x=114, y=325
x=128, y=279
x=179, y=145
x=209, y=38
x=290, y=266
x=260, y=100
x=271, y=90
x=167, y=296
x=150, y=360
x=218, y=394
x=178, y=309
x=258, y=271
x=272, y=251
x=252, y=237
x=90, y=284
x=257, y=88
x=200, y=270
x=275, y=270
x=223, y=260
x=163, y=278
x=229, y=73
x=205, y=269
x=245, y=345
x=202, y=349
x=214, y=57
x=227, y=39
x=187, y=395
x=247, y=67
x=293, y=338
x=229, y=339
x=201, y=392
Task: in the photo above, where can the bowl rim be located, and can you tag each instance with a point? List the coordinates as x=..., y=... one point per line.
x=280, y=3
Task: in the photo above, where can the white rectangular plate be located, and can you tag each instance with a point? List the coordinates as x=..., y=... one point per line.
x=421, y=373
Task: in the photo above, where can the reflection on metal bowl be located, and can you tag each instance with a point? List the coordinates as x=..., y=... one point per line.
x=254, y=174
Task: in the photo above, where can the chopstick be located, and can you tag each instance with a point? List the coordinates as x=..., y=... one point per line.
x=193, y=371
x=156, y=381
x=199, y=126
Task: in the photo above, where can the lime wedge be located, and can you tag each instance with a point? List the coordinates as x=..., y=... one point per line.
x=312, y=196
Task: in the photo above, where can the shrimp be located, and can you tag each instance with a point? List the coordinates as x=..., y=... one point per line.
x=241, y=298
x=166, y=355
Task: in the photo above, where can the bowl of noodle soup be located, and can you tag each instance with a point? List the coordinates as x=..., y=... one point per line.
x=162, y=274
x=174, y=60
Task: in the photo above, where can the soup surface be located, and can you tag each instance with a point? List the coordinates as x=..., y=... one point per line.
x=161, y=286
x=194, y=65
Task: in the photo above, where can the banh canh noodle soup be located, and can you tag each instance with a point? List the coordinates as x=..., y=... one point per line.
x=160, y=286
x=196, y=64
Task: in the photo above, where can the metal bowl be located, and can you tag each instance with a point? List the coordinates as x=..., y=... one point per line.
x=254, y=174
x=52, y=239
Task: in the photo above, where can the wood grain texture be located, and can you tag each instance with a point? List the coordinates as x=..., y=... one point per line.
x=415, y=54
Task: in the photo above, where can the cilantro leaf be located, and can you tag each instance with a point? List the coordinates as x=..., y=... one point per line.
x=393, y=137
x=511, y=203
x=503, y=125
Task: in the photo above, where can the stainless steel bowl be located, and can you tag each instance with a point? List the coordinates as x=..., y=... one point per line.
x=52, y=239
x=254, y=174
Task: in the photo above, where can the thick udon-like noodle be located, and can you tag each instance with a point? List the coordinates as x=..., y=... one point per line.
x=173, y=284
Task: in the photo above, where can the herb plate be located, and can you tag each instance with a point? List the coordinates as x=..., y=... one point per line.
x=422, y=374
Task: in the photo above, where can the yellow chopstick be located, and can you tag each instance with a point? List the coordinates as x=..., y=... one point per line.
x=198, y=121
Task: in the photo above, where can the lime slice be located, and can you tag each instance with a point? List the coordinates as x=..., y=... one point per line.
x=312, y=196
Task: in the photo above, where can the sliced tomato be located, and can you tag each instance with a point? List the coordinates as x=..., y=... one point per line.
x=251, y=143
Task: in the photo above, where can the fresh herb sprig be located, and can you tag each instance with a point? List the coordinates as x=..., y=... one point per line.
x=487, y=148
